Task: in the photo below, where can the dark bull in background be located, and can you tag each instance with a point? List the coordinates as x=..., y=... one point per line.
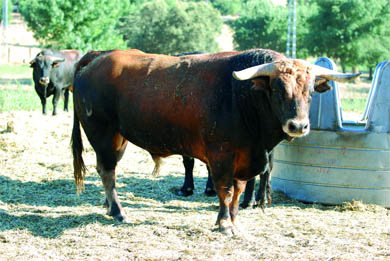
x=53, y=74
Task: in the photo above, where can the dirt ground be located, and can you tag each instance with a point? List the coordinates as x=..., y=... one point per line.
x=42, y=218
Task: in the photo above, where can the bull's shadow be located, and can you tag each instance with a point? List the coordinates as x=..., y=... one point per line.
x=163, y=188
x=53, y=227
x=55, y=193
x=48, y=227
x=61, y=192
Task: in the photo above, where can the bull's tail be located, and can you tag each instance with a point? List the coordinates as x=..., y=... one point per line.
x=77, y=149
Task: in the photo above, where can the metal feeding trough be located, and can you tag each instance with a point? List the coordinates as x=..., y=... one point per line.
x=340, y=161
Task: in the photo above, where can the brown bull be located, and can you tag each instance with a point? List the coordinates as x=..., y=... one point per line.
x=227, y=109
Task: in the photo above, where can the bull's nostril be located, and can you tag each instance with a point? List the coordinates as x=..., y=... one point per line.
x=292, y=127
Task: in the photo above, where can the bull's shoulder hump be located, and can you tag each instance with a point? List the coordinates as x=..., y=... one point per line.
x=136, y=59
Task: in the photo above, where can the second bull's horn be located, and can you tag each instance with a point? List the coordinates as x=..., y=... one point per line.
x=55, y=59
x=333, y=75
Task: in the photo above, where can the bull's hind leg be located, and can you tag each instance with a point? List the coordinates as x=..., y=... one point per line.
x=109, y=150
x=119, y=145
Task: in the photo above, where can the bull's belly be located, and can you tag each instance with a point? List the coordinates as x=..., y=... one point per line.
x=162, y=142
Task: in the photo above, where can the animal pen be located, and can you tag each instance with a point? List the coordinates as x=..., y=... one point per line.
x=340, y=161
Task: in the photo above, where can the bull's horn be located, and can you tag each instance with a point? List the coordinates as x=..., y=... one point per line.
x=333, y=75
x=55, y=59
x=32, y=61
x=255, y=71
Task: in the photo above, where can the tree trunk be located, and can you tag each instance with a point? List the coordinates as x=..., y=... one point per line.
x=370, y=73
x=356, y=70
x=343, y=68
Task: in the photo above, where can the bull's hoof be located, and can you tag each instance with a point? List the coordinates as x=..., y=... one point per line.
x=105, y=204
x=227, y=228
x=246, y=204
x=185, y=193
x=261, y=205
x=210, y=192
x=121, y=218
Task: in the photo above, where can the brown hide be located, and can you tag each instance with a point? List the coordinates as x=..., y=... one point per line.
x=191, y=106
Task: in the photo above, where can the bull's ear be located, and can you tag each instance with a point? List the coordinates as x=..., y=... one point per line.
x=32, y=63
x=57, y=61
x=260, y=84
x=322, y=85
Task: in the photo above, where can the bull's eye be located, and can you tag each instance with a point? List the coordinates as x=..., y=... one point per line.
x=54, y=65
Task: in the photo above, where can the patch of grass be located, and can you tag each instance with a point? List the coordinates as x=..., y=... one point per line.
x=354, y=104
x=26, y=100
x=20, y=69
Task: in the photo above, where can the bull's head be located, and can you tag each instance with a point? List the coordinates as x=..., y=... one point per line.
x=43, y=64
x=289, y=85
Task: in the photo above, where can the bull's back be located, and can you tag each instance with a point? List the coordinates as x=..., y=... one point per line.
x=157, y=102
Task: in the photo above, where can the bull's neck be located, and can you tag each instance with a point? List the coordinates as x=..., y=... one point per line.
x=263, y=127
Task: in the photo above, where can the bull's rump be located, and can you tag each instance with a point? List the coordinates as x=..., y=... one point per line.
x=163, y=104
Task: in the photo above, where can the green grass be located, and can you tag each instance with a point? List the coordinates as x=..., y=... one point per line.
x=26, y=100
x=23, y=69
x=354, y=104
x=17, y=91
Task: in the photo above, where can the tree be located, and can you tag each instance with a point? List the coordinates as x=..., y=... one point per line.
x=350, y=31
x=227, y=7
x=263, y=24
x=75, y=24
x=172, y=27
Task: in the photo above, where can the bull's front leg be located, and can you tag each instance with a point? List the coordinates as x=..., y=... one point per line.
x=43, y=102
x=56, y=97
x=239, y=187
x=222, y=173
x=66, y=99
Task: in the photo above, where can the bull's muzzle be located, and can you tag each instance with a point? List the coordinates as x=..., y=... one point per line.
x=44, y=80
x=297, y=128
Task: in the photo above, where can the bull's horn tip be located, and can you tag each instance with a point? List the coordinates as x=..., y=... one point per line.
x=237, y=76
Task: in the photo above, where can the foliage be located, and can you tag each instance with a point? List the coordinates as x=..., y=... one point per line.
x=230, y=7
x=10, y=7
x=227, y=7
x=263, y=24
x=352, y=31
x=75, y=24
x=172, y=27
